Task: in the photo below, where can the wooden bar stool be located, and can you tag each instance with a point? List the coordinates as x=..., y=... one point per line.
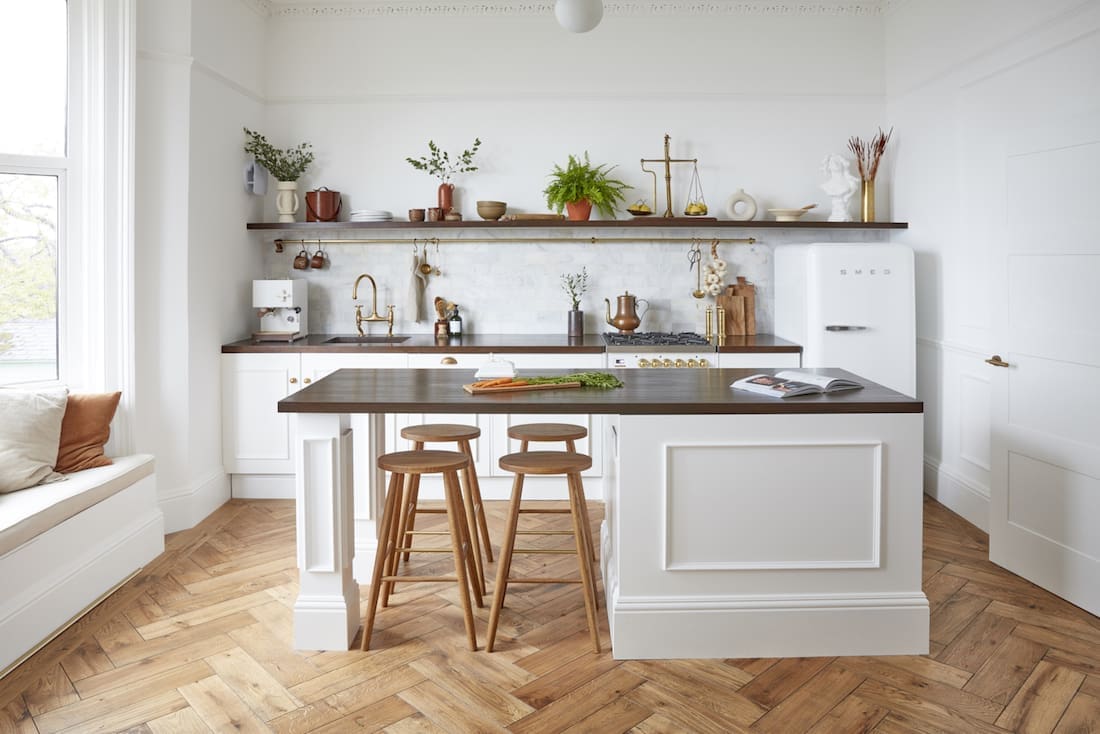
x=546, y=462
x=471, y=489
x=404, y=464
x=570, y=433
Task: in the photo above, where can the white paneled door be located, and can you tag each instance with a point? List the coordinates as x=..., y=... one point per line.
x=1045, y=508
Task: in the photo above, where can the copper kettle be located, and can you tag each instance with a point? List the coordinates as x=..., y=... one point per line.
x=626, y=318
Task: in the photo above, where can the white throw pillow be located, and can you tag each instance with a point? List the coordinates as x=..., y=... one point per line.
x=30, y=430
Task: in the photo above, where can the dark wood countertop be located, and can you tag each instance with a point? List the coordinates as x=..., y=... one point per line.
x=420, y=343
x=757, y=343
x=485, y=343
x=646, y=392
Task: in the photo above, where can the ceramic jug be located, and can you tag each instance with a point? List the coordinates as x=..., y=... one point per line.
x=626, y=318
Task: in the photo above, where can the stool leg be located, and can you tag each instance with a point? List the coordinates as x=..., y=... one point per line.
x=589, y=541
x=381, y=556
x=571, y=446
x=461, y=548
x=584, y=553
x=408, y=518
x=504, y=567
x=479, y=505
x=396, y=532
x=466, y=482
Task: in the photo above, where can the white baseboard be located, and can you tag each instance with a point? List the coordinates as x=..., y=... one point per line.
x=190, y=505
x=53, y=579
x=262, y=486
x=822, y=625
x=957, y=494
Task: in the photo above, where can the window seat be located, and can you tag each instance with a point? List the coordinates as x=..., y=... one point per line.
x=65, y=545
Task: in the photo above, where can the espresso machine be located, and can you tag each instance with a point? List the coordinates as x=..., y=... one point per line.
x=283, y=308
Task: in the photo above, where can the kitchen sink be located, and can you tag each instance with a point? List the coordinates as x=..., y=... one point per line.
x=366, y=340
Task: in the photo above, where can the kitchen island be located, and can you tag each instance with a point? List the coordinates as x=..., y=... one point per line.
x=736, y=525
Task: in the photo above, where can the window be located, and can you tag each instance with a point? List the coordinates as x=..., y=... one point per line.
x=33, y=168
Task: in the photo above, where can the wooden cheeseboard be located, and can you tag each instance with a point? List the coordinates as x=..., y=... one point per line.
x=517, y=388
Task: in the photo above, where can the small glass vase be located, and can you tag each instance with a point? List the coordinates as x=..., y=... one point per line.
x=867, y=200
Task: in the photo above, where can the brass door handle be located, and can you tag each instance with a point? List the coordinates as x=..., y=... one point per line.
x=996, y=361
x=448, y=360
x=307, y=380
x=293, y=380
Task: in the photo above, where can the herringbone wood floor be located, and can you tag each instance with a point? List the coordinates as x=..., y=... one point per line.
x=199, y=642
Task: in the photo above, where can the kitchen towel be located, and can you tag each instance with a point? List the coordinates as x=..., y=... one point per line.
x=417, y=285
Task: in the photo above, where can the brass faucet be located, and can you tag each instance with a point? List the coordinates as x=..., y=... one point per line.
x=374, y=315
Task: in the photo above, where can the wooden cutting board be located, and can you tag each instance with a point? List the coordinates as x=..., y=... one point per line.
x=517, y=388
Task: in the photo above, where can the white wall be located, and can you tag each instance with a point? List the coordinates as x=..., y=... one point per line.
x=759, y=97
x=959, y=88
x=199, y=70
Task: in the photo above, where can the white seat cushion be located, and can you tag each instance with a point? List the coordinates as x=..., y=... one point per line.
x=31, y=512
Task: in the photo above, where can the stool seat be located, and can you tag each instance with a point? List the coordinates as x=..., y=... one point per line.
x=423, y=462
x=440, y=432
x=547, y=432
x=545, y=462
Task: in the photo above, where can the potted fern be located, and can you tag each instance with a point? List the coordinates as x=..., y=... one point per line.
x=580, y=186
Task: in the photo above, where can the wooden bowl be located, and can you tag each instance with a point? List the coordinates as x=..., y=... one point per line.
x=491, y=210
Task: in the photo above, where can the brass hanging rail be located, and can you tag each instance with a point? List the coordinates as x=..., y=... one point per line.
x=457, y=241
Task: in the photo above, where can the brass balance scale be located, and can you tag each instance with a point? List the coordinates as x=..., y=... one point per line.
x=696, y=207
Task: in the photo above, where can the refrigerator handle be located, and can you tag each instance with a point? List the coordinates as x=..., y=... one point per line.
x=844, y=327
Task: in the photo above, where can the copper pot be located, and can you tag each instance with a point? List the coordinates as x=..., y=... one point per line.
x=626, y=318
x=322, y=205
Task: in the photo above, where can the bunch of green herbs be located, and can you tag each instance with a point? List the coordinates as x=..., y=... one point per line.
x=587, y=379
x=284, y=165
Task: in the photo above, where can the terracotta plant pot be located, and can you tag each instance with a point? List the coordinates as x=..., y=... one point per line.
x=446, y=196
x=579, y=211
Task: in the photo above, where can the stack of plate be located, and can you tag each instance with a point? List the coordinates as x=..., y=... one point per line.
x=370, y=215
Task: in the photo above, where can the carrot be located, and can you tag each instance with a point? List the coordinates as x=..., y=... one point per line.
x=497, y=382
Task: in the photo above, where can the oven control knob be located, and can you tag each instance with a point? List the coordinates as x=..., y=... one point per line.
x=681, y=363
x=643, y=362
x=704, y=362
x=667, y=363
x=693, y=363
x=655, y=363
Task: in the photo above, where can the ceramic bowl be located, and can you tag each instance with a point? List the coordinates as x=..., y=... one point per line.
x=491, y=210
x=787, y=215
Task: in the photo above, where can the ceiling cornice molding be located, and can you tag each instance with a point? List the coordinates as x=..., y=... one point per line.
x=262, y=8
x=413, y=8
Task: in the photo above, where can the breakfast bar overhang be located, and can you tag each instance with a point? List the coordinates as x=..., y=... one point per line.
x=736, y=525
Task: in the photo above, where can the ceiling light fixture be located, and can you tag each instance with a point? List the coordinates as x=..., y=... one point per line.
x=578, y=16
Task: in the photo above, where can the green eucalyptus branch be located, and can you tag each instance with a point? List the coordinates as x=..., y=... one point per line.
x=438, y=162
x=284, y=165
x=575, y=285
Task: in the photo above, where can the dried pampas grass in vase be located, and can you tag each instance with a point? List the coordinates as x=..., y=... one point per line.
x=868, y=154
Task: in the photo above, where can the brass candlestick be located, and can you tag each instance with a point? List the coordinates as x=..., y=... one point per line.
x=668, y=175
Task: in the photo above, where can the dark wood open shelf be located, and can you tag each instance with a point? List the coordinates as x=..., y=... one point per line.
x=619, y=224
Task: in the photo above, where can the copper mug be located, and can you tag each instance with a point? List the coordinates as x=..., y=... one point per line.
x=416, y=215
x=435, y=214
x=301, y=261
x=318, y=260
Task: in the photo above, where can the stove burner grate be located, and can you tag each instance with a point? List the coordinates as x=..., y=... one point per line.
x=655, y=339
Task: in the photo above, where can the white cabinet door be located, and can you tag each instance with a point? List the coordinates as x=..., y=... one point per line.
x=760, y=360
x=256, y=438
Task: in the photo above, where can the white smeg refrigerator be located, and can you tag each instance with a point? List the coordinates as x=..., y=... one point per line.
x=850, y=305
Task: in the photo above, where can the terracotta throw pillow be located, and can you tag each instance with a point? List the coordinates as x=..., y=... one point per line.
x=84, y=430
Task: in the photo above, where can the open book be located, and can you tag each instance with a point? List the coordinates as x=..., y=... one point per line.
x=789, y=383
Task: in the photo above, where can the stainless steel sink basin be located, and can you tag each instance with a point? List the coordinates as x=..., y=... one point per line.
x=366, y=340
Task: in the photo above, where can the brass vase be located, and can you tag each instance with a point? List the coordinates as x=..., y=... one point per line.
x=867, y=200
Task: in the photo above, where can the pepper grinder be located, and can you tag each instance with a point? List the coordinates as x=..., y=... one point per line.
x=710, y=323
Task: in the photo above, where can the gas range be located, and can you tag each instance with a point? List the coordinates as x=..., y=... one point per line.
x=658, y=349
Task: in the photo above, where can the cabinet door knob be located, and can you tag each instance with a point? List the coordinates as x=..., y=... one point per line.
x=448, y=360
x=307, y=380
x=996, y=361
x=293, y=380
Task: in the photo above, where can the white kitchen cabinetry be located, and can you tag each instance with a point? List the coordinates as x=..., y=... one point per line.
x=256, y=438
x=760, y=360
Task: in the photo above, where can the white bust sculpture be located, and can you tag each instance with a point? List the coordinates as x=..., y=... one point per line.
x=841, y=186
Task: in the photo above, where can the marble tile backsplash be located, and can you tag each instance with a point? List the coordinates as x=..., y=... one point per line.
x=506, y=287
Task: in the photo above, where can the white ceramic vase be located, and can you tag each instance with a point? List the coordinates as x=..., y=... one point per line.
x=286, y=200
